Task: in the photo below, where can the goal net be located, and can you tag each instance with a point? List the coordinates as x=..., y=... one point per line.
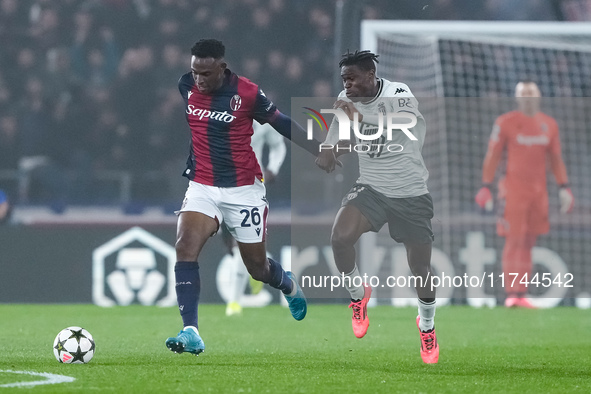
x=465, y=74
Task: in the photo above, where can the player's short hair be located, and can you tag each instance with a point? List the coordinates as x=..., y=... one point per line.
x=208, y=47
x=365, y=60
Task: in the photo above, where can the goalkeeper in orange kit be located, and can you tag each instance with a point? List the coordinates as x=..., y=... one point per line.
x=531, y=139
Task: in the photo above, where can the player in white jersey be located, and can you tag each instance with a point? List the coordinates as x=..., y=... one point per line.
x=239, y=276
x=392, y=187
x=266, y=135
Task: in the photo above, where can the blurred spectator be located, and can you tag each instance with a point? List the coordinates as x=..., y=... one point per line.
x=27, y=64
x=5, y=208
x=43, y=179
x=251, y=66
x=9, y=149
x=13, y=18
x=94, y=61
x=136, y=70
x=322, y=88
x=44, y=27
x=91, y=86
x=172, y=63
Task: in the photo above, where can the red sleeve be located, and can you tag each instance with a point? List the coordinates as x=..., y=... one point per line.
x=264, y=109
x=496, y=145
x=556, y=162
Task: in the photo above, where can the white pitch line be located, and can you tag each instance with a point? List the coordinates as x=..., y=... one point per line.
x=51, y=378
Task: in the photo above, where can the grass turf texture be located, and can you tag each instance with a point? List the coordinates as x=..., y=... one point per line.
x=265, y=350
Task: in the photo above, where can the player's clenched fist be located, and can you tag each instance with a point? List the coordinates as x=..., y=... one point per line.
x=326, y=160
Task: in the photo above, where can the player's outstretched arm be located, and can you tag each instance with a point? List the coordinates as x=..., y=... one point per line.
x=484, y=197
x=292, y=130
x=565, y=195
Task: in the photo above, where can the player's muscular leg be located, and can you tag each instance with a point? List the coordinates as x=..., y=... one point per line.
x=193, y=230
x=419, y=261
x=255, y=259
x=348, y=227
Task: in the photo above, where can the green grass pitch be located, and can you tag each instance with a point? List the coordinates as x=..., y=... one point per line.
x=266, y=351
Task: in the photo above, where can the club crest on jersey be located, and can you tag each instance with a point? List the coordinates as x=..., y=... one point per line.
x=544, y=127
x=235, y=102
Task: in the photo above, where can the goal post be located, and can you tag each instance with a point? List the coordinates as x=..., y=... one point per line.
x=463, y=75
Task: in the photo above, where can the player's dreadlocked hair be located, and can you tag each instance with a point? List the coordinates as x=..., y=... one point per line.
x=365, y=60
x=208, y=48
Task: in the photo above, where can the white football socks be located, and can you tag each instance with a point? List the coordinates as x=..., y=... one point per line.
x=192, y=328
x=238, y=277
x=356, y=292
x=294, y=289
x=427, y=314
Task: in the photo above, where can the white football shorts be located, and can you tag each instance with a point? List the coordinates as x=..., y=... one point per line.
x=244, y=209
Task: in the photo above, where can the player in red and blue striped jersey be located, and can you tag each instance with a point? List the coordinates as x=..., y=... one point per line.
x=226, y=182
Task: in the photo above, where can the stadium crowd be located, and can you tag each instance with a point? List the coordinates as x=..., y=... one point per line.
x=88, y=87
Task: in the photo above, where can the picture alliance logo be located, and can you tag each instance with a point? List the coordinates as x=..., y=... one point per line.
x=369, y=138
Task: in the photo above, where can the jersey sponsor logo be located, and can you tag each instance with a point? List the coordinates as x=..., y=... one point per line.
x=235, y=102
x=404, y=103
x=258, y=230
x=400, y=90
x=530, y=140
x=214, y=115
x=189, y=94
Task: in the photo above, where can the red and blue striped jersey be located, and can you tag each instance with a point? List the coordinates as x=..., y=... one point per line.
x=221, y=129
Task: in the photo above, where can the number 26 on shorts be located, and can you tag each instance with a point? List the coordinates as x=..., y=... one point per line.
x=253, y=215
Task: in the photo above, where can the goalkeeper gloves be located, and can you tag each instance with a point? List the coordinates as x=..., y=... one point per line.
x=567, y=200
x=484, y=198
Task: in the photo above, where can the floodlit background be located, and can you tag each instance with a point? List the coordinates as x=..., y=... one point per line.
x=93, y=141
x=93, y=137
x=89, y=107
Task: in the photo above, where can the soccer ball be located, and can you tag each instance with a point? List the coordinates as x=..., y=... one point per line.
x=73, y=345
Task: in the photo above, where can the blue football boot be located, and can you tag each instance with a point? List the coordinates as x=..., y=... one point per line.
x=297, y=304
x=187, y=341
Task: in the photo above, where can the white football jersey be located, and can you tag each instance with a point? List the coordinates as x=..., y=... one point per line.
x=393, y=167
x=265, y=134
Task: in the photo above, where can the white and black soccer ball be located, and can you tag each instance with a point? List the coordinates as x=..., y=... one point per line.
x=73, y=345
